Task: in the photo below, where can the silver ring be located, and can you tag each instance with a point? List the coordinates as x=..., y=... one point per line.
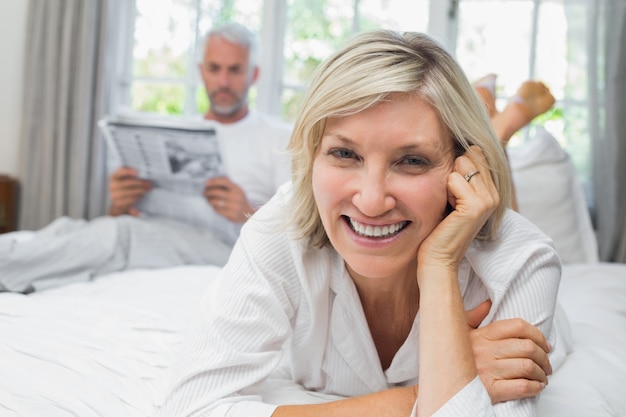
x=470, y=175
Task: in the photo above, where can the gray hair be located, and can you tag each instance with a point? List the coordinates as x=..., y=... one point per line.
x=237, y=34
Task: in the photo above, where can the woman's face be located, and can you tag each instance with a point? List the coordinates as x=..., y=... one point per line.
x=380, y=183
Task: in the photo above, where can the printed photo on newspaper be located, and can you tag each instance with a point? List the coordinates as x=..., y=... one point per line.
x=178, y=155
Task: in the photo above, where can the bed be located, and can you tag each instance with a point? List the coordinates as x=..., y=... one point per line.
x=105, y=348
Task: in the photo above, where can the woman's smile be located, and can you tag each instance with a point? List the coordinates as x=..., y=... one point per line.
x=380, y=183
x=375, y=231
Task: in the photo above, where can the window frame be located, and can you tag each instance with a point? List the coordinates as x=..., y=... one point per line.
x=443, y=25
x=270, y=85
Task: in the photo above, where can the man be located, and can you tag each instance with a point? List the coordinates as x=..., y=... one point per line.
x=228, y=69
x=252, y=147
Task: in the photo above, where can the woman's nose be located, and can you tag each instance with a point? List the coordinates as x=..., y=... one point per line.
x=373, y=197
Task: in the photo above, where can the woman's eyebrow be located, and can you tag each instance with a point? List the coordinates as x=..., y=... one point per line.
x=337, y=136
x=412, y=147
x=418, y=146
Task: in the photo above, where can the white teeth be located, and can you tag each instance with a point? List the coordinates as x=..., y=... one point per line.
x=376, y=231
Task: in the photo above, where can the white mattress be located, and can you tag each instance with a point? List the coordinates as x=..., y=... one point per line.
x=95, y=349
x=105, y=348
x=592, y=381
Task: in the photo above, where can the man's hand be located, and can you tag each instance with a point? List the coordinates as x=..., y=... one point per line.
x=125, y=189
x=511, y=356
x=228, y=199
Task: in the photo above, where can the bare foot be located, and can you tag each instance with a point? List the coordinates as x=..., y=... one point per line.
x=486, y=89
x=536, y=96
x=532, y=99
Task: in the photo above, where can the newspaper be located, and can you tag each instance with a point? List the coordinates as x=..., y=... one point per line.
x=178, y=155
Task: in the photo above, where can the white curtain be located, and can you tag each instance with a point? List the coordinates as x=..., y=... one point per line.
x=67, y=83
x=608, y=110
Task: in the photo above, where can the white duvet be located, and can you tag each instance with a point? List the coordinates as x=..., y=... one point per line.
x=105, y=348
x=592, y=381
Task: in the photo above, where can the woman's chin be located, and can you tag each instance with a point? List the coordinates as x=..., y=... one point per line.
x=372, y=266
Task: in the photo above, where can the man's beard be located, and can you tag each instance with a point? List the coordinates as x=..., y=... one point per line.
x=226, y=111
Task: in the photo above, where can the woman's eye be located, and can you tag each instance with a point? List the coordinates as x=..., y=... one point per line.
x=342, y=153
x=413, y=161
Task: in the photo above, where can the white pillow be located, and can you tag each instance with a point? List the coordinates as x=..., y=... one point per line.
x=550, y=194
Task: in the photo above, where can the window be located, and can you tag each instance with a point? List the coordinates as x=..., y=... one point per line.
x=316, y=28
x=517, y=39
x=160, y=73
x=535, y=39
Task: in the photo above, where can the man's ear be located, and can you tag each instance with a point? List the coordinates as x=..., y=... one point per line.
x=255, y=75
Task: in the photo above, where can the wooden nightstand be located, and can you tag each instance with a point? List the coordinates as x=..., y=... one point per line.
x=8, y=203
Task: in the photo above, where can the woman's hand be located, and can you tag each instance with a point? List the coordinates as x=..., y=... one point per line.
x=511, y=359
x=473, y=197
x=443, y=326
x=511, y=355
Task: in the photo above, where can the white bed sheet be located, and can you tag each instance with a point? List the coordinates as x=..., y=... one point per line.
x=592, y=381
x=106, y=348
x=103, y=348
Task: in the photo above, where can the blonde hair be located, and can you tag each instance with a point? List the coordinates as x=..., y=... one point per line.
x=365, y=71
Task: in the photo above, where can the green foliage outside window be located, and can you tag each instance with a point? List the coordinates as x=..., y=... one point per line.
x=202, y=101
x=158, y=98
x=164, y=70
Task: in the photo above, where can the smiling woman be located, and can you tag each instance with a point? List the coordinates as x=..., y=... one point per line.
x=383, y=169
x=347, y=292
